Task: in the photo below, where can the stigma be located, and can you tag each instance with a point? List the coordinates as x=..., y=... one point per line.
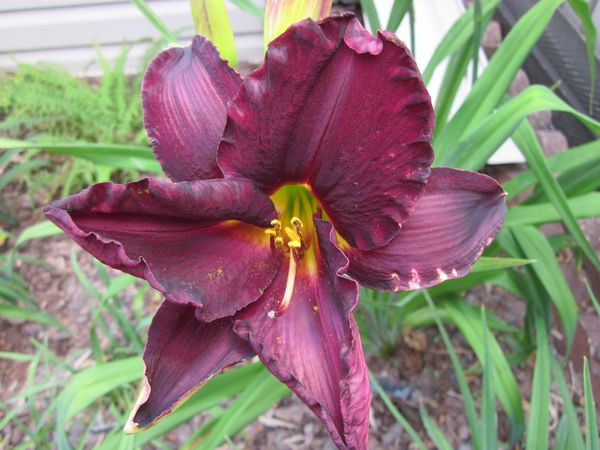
x=293, y=247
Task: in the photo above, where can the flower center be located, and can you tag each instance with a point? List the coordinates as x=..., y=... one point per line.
x=295, y=206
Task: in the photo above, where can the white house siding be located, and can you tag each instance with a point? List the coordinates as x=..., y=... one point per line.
x=65, y=31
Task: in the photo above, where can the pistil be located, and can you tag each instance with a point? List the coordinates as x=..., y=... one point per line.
x=289, y=288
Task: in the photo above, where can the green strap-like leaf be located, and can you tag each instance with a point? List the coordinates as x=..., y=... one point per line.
x=537, y=426
x=475, y=149
x=113, y=155
x=399, y=10
x=88, y=386
x=453, y=79
x=581, y=157
x=434, y=432
x=573, y=438
x=495, y=80
x=458, y=63
x=368, y=7
x=214, y=393
x=20, y=169
x=574, y=182
x=154, y=20
x=583, y=207
x=261, y=386
x=489, y=416
x=477, y=32
x=397, y=414
x=37, y=231
x=280, y=14
x=461, y=379
x=14, y=356
x=530, y=147
x=535, y=246
x=460, y=33
x=485, y=264
x=250, y=7
x=211, y=20
x=468, y=321
x=591, y=421
x=18, y=313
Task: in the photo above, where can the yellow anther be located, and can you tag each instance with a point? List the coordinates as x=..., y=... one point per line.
x=294, y=244
x=297, y=222
x=292, y=234
x=278, y=241
x=276, y=223
x=271, y=232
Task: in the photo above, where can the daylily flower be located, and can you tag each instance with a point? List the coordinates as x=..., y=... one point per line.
x=289, y=187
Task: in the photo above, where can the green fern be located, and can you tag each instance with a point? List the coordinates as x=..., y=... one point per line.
x=46, y=99
x=48, y=104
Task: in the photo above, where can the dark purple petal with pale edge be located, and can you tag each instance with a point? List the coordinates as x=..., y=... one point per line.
x=196, y=242
x=458, y=216
x=183, y=353
x=342, y=111
x=184, y=96
x=314, y=346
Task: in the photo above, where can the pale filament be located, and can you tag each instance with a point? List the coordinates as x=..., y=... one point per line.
x=289, y=288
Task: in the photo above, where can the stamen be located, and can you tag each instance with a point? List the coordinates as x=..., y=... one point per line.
x=289, y=289
x=276, y=223
x=271, y=232
x=292, y=234
x=297, y=222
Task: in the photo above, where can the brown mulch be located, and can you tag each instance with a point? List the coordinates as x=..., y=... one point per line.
x=419, y=372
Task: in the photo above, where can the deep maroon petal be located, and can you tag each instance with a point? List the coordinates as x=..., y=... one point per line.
x=182, y=353
x=458, y=216
x=342, y=111
x=196, y=242
x=314, y=346
x=184, y=96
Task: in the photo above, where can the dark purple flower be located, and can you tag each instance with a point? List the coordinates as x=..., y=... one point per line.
x=290, y=186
